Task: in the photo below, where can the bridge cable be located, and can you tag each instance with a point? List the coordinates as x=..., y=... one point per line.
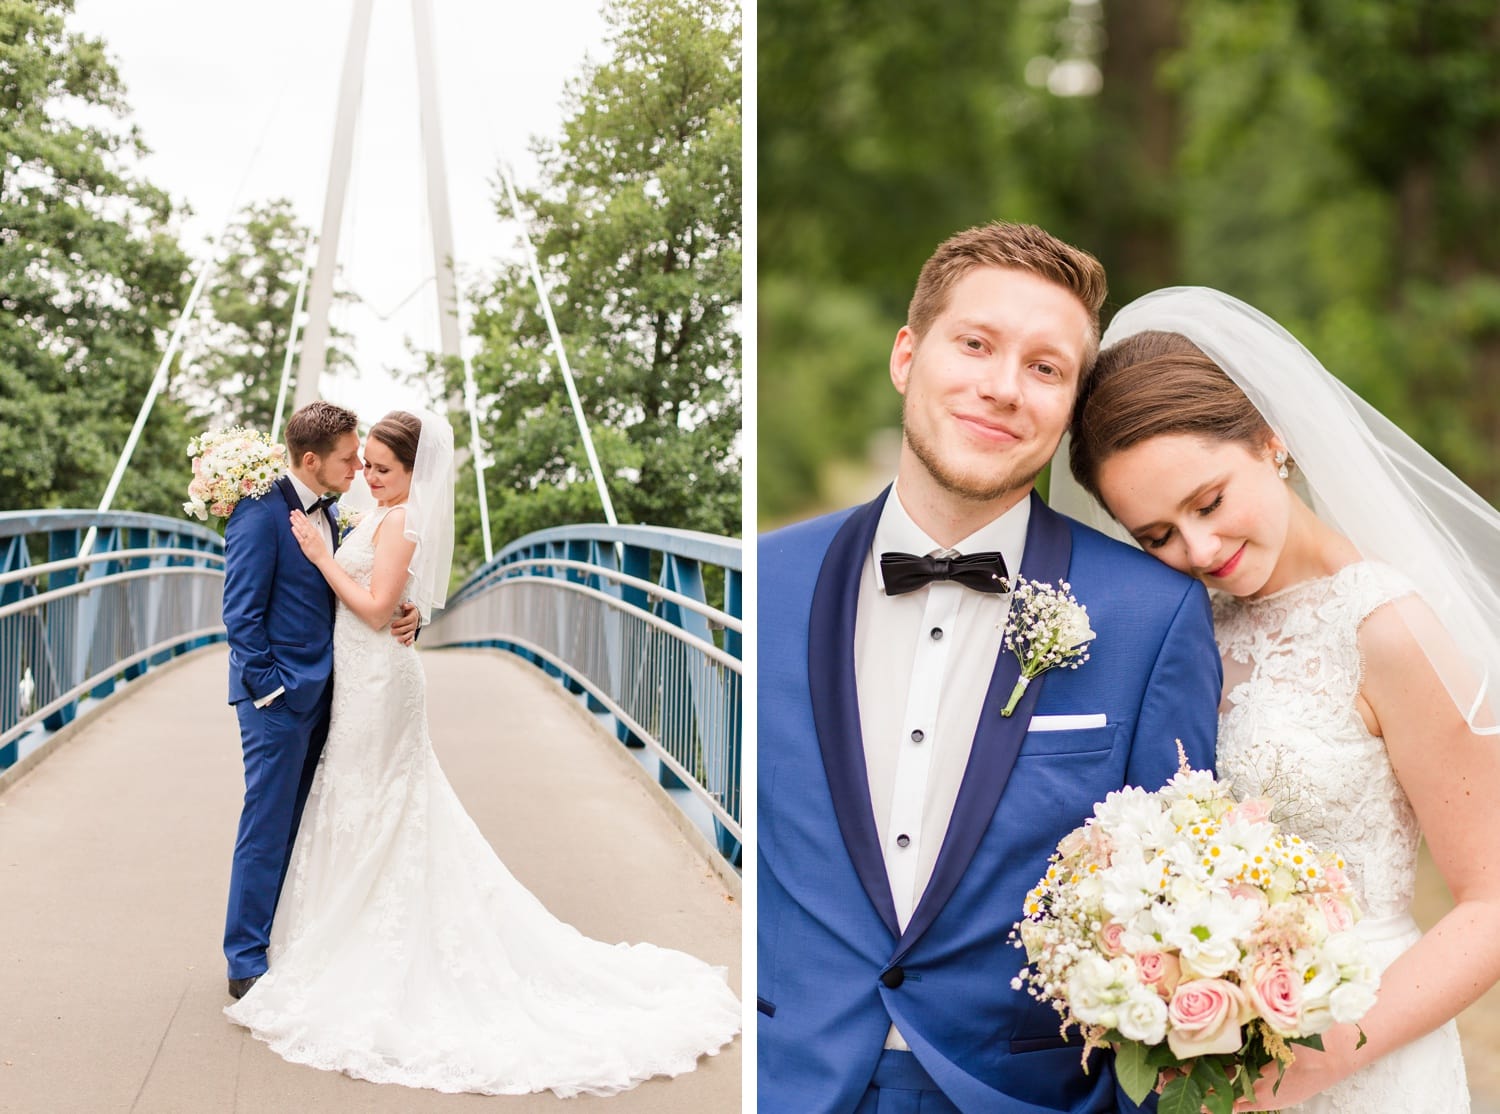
x=205, y=268
x=291, y=335
x=557, y=347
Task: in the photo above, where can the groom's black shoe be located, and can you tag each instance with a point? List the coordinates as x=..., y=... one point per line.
x=238, y=988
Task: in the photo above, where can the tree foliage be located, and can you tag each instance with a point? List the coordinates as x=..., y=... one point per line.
x=637, y=225
x=90, y=276
x=1334, y=162
x=240, y=337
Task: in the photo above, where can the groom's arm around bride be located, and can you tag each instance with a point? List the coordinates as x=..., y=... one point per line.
x=902, y=816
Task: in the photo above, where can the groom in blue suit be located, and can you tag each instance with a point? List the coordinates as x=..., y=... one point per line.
x=278, y=617
x=902, y=816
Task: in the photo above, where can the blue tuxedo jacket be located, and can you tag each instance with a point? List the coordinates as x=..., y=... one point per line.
x=834, y=969
x=278, y=609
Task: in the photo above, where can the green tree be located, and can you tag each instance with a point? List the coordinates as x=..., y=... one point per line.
x=90, y=276
x=1333, y=162
x=637, y=222
x=240, y=335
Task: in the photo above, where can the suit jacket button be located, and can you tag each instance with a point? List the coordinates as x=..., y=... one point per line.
x=893, y=978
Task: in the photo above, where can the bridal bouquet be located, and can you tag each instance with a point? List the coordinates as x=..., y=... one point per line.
x=1185, y=928
x=229, y=464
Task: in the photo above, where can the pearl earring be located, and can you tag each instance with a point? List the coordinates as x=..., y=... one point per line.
x=1281, y=468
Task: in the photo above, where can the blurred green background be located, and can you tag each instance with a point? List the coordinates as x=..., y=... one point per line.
x=1334, y=162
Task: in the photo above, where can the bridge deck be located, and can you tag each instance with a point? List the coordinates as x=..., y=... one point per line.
x=114, y=860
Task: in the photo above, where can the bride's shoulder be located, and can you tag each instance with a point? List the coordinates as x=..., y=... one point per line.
x=391, y=523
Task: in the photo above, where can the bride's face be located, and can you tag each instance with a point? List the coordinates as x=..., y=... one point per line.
x=387, y=477
x=1216, y=510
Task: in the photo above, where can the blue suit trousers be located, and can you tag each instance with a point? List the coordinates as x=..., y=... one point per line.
x=281, y=750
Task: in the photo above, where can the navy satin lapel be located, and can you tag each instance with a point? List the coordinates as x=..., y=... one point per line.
x=997, y=739
x=289, y=493
x=330, y=512
x=835, y=701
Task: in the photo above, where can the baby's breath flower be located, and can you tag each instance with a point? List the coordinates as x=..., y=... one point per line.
x=1047, y=628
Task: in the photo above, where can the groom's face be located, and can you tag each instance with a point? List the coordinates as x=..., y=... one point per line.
x=335, y=472
x=990, y=385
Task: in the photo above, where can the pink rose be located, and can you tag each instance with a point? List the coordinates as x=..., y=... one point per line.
x=1276, y=994
x=1072, y=843
x=1336, y=913
x=1205, y=1017
x=1111, y=939
x=1249, y=893
x=1253, y=810
x=1335, y=879
x=1161, y=971
x=247, y=486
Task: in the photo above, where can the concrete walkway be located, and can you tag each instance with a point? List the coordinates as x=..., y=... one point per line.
x=114, y=864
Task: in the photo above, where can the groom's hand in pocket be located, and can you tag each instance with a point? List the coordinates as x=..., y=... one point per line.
x=404, y=624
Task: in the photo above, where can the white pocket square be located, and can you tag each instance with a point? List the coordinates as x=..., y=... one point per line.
x=1066, y=723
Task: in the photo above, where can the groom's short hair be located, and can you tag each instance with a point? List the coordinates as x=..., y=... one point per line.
x=1017, y=247
x=316, y=428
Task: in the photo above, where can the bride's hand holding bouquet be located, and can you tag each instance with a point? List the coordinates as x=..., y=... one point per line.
x=1184, y=928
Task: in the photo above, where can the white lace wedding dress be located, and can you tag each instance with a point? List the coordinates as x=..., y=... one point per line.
x=403, y=950
x=1291, y=731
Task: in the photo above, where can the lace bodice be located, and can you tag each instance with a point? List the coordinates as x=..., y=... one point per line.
x=1290, y=727
x=1290, y=730
x=356, y=556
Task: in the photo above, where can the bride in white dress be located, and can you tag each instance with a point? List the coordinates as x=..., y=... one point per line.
x=403, y=951
x=1356, y=612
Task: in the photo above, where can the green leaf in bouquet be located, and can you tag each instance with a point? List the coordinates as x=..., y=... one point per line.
x=1161, y=1056
x=1210, y=1075
x=1245, y=1082
x=1134, y=1070
x=1363, y=1040
x=1181, y=1096
x=1315, y=1041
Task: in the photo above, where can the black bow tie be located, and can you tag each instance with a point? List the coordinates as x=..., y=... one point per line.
x=983, y=572
x=320, y=503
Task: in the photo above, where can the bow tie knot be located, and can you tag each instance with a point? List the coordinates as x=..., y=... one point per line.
x=320, y=503
x=981, y=572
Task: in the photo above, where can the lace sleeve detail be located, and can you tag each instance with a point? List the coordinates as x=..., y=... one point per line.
x=1368, y=585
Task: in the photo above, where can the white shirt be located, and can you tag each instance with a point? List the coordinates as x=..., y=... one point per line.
x=922, y=664
x=307, y=497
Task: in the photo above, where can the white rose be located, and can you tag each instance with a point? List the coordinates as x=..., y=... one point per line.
x=1094, y=991
x=1074, y=629
x=1143, y=1016
x=1351, y=1001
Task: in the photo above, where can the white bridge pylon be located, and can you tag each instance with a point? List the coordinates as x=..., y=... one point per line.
x=313, y=355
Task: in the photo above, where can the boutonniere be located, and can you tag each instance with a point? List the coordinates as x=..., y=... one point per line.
x=1048, y=628
x=348, y=520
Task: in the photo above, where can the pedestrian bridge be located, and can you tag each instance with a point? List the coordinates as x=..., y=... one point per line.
x=116, y=829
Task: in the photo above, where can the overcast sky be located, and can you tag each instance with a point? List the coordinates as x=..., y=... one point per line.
x=237, y=102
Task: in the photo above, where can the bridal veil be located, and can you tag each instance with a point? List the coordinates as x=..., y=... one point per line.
x=1359, y=473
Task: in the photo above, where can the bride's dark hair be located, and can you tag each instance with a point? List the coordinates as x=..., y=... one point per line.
x=1148, y=385
x=399, y=432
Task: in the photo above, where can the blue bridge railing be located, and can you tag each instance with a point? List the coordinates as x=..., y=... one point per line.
x=647, y=622
x=73, y=624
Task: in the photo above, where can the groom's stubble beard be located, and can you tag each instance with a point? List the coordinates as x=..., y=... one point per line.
x=970, y=488
x=330, y=475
